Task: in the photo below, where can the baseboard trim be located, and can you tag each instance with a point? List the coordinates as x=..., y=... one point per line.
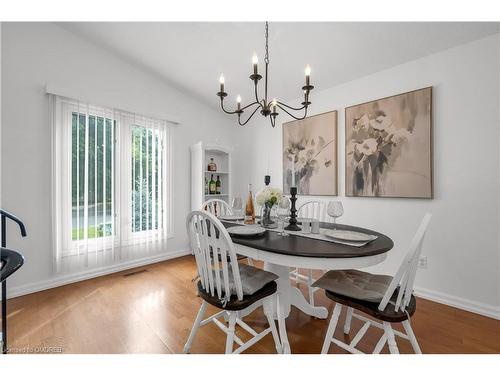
x=90, y=274
x=460, y=303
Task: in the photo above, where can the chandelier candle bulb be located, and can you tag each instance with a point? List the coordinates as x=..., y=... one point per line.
x=221, y=81
x=308, y=74
x=255, y=61
x=238, y=102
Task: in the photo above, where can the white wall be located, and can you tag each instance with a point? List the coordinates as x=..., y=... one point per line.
x=36, y=54
x=462, y=245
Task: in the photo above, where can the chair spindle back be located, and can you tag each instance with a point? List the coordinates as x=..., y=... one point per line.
x=405, y=276
x=313, y=210
x=212, y=247
x=217, y=207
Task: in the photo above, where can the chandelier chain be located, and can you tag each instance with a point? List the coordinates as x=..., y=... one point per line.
x=266, y=59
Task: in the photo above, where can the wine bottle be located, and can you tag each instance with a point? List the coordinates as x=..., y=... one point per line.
x=206, y=185
x=212, y=167
x=211, y=185
x=249, y=209
x=217, y=186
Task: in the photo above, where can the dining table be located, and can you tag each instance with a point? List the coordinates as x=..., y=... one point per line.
x=280, y=253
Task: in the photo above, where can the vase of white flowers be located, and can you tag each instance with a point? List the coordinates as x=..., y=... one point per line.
x=267, y=198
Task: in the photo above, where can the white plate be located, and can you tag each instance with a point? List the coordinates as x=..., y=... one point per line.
x=349, y=235
x=246, y=230
x=231, y=217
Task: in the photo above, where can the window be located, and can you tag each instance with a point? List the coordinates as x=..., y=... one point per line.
x=147, y=177
x=111, y=181
x=92, y=168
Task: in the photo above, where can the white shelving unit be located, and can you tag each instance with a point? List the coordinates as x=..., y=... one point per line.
x=200, y=157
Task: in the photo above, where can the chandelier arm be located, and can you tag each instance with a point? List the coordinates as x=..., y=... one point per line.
x=292, y=108
x=249, y=117
x=256, y=92
x=249, y=105
x=225, y=111
x=257, y=97
x=295, y=117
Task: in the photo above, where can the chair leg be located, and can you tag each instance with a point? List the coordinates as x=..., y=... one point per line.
x=309, y=286
x=391, y=340
x=348, y=318
x=196, y=325
x=250, y=261
x=282, y=327
x=331, y=328
x=411, y=337
x=230, y=332
x=272, y=325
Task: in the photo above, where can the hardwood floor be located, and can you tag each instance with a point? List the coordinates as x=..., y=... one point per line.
x=151, y=310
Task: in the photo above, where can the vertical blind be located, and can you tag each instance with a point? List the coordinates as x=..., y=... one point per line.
x=111, y=184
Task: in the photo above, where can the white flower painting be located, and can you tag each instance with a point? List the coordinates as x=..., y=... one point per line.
x=388, y=147
x=310, y=155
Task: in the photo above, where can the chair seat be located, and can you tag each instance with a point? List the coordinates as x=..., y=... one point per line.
x=363, y=291
x=234, y=304
x=355, y=284
x=371, y=308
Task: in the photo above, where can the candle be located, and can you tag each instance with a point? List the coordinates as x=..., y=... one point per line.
x=221, y=81
x=238, y=102
x=274, y=103
x=293, y=170
x=308, y=74
x=255, y=61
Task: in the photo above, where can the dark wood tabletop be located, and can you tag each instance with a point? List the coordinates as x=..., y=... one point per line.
x=310, y=247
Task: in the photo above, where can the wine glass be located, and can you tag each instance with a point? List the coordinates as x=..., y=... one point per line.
x=335, y=210
x=283, y=211
x=237, y=206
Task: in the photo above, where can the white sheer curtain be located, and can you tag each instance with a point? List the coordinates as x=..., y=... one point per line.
x=111, y=185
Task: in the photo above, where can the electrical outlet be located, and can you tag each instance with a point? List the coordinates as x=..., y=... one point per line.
x=422, y=261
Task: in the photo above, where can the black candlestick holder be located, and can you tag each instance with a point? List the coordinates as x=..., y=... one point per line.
x=293, y=211
x=267, y=180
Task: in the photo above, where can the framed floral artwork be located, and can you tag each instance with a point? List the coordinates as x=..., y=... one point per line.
x=310, y=155
x=388, y=147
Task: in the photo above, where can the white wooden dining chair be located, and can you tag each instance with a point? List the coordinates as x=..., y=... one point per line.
x=228, y=285
x=311, y=210
x=388, y=299
x=217, y=207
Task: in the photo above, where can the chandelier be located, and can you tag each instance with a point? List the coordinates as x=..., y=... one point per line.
x=267, y=108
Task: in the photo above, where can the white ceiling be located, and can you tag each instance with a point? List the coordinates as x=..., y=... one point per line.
x=191, y=56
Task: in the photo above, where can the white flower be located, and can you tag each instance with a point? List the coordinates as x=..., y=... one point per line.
x=381, y=123
x=400, y=135
x=268, y=195
x=363, y=121
x=277, y=193
x=260, y=199
x=369, y=146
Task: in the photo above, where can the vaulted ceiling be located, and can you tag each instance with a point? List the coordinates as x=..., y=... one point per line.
x=191, y=56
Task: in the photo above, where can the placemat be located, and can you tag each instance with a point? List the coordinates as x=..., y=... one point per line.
x=320, y=236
